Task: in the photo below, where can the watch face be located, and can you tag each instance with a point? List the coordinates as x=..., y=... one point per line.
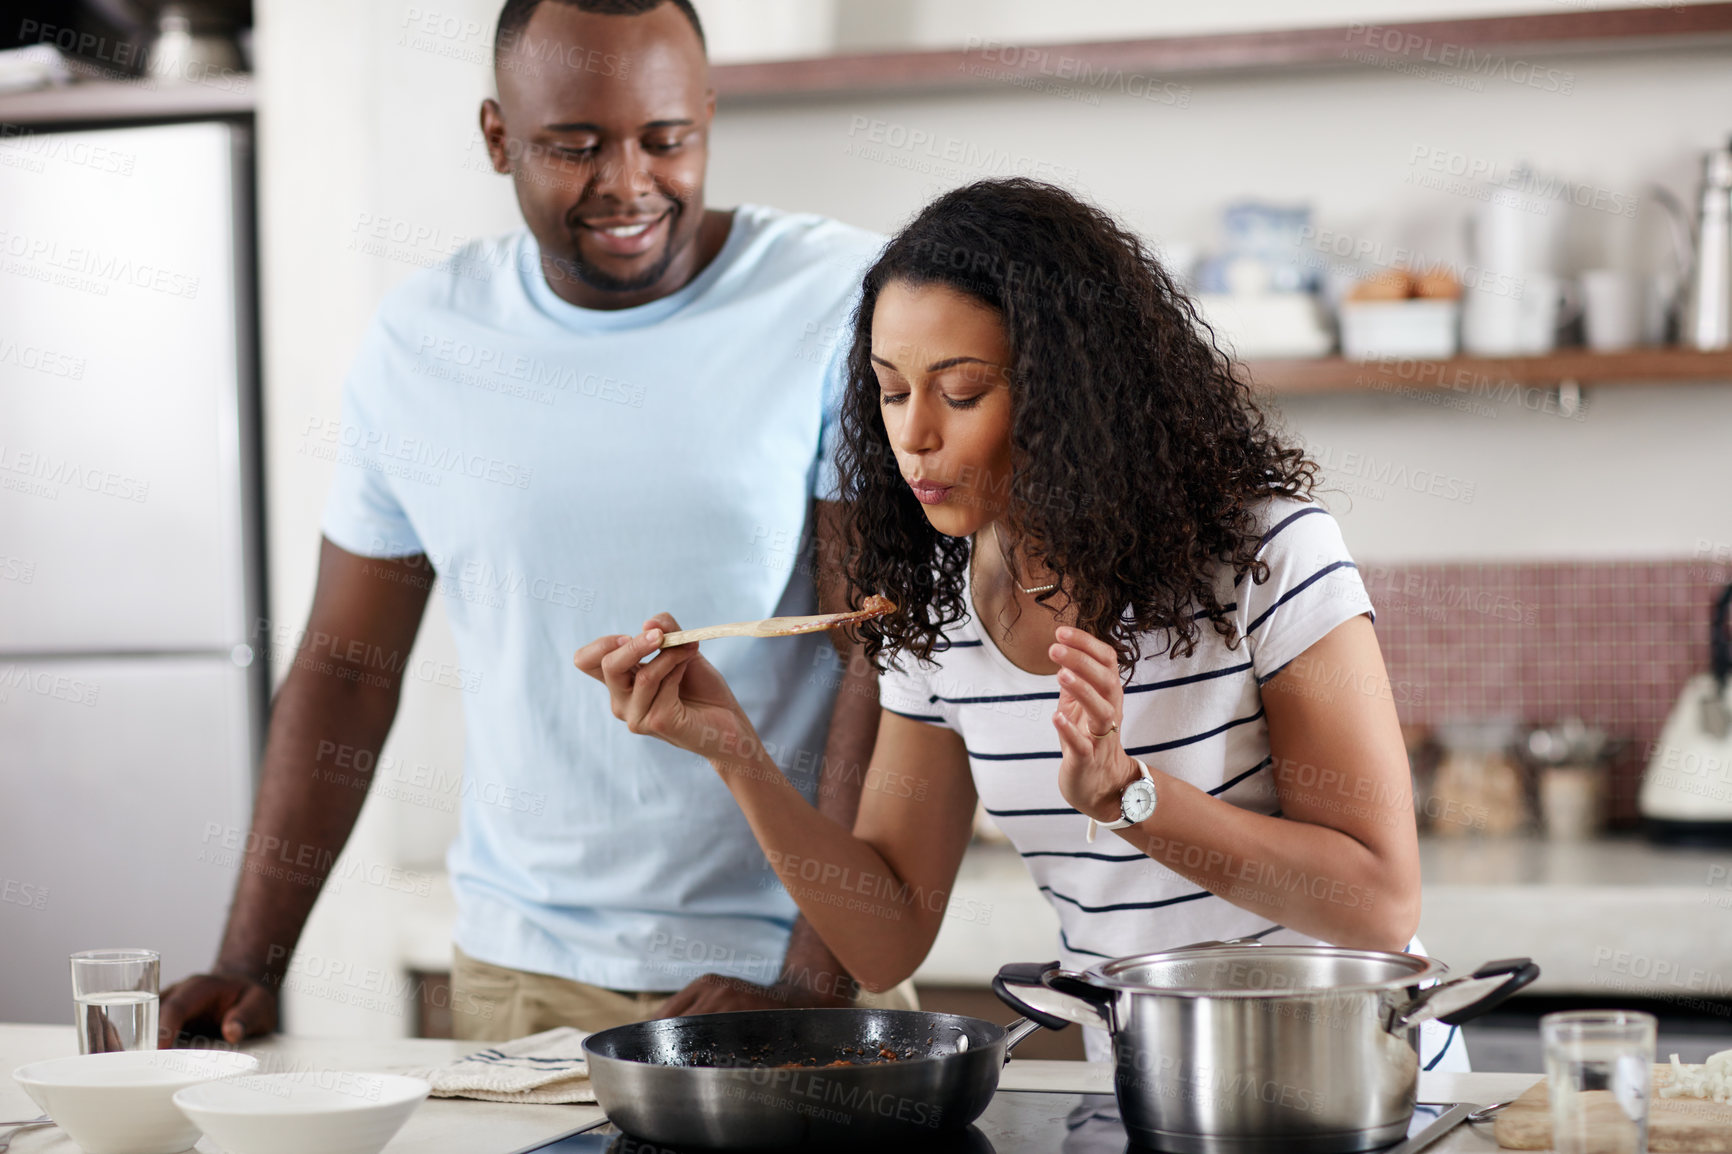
x=1138, y=801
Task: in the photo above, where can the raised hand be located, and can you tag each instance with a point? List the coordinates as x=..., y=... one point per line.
x=677, y=696
x=1091, y=702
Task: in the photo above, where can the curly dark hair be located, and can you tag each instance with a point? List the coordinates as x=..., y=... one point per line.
x=1139, y=457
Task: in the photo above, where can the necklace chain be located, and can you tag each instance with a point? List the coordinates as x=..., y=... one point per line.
x=1005, y=553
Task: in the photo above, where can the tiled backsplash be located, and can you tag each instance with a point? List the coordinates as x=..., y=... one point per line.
x=1610, y=642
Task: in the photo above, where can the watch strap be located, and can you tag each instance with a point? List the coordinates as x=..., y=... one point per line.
x=1123, y=822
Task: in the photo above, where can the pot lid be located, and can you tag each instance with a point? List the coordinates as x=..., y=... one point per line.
x=1259, y=971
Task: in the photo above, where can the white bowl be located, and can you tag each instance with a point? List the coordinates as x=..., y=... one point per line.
x=1424, y=329
x=1277, y=324
x=123, y=1103
x=330, y=1111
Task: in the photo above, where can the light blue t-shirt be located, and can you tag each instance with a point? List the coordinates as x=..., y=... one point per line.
x=571, y=472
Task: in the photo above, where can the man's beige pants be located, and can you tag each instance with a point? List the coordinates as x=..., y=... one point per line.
x=491, y=1003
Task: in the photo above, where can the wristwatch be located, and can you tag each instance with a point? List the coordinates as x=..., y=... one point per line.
x=1136, y=803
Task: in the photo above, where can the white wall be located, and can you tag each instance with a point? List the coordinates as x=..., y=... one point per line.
x=368, y=122
x=366, y=126
x=768, y=29
x=1638, y=475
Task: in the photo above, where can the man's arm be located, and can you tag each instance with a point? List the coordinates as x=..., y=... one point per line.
x=809, y=966
x=339, y=698
x=811, y=975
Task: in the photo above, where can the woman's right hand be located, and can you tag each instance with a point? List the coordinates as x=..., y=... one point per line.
x=677, y=696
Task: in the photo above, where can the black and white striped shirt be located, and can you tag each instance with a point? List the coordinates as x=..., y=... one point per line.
x=1199, y=718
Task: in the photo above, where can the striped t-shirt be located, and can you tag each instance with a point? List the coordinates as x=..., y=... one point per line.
x=1199, y=718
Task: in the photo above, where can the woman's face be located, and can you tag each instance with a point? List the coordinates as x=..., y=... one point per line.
x=942, y=360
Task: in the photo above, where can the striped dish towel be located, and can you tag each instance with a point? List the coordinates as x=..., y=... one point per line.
x=543, y=1068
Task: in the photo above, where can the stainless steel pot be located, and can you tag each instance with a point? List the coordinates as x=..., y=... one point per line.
x=1227, y=1047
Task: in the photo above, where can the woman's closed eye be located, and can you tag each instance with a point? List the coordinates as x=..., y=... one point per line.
x=887, y=397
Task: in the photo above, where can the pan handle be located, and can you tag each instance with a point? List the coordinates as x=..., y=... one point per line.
x=1465, y=999
x=1016, y=1031
x=1047, y=979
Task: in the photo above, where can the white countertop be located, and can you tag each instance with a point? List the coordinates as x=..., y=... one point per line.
x=462, y=1126
x=1533, y=863
x=457, y=1125
x=1616, y=916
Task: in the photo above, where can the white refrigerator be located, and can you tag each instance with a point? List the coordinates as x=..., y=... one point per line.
x=131, y=706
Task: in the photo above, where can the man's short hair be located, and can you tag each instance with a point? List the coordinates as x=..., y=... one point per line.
x=514, y=17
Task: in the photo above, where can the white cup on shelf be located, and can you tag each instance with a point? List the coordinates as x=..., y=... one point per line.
x=1611, y=310
x=1519, y=316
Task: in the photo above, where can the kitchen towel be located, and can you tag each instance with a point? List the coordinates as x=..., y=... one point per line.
x=548, y=1067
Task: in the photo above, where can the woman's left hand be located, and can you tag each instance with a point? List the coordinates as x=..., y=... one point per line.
x=1091, y=701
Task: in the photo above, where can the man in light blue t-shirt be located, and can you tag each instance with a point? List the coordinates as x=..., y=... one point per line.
x=626, y=407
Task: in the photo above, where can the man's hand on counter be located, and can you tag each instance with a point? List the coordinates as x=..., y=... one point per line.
x=212, y=1006
x=717, y=993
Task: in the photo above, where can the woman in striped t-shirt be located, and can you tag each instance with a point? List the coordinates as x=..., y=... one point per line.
x=1118, y=607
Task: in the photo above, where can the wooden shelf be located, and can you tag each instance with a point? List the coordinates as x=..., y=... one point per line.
x=1652, y=366
x=113, y=101
x=1109, y=65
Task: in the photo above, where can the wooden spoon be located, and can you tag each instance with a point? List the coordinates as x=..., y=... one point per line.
x=875, y=606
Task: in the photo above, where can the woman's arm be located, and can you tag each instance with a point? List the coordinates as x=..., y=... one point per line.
x=1342, y=863
x=877, y=894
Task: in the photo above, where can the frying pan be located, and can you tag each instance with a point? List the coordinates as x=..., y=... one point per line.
x=764, y=1079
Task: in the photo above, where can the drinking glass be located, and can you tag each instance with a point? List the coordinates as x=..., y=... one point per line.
x=1599, y=1069
x=114, y=999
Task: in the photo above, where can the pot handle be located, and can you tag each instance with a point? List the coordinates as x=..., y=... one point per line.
x=1048, y=977
x=1465, y=999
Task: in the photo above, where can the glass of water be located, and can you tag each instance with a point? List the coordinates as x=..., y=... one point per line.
x=1599, y=1070
x=114, y=999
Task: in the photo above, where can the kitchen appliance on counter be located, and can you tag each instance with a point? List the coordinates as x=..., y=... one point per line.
x=1033, y=1122
x=1686, y=796
x=1233, y=1047
x=131, y=703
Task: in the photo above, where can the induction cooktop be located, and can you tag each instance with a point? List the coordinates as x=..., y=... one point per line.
x=1027, y=1122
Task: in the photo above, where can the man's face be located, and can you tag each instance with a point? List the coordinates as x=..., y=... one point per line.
x=603, y=123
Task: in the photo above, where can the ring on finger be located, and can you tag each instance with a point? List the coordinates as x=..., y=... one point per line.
x=1111, y=729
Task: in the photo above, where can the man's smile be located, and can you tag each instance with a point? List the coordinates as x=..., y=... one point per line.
x=627, y=235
